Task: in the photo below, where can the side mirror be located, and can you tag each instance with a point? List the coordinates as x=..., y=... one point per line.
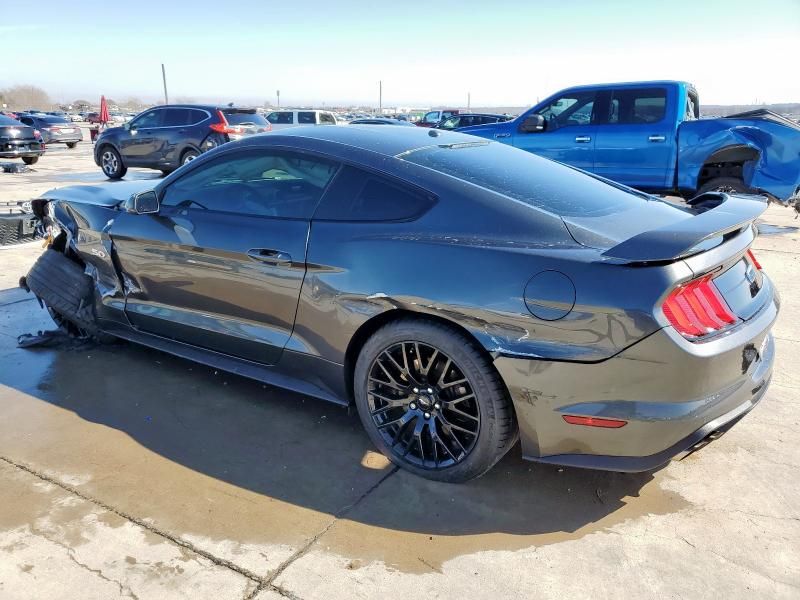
x=145, y=203
x=533, y=124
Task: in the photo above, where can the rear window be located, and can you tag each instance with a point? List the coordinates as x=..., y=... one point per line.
x=7, y=121
x=527, y=178
x=54, y=119
x=245, y=118
x=638, y=106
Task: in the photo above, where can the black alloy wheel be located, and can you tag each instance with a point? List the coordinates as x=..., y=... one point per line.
x=422, y=405
x=431, y=400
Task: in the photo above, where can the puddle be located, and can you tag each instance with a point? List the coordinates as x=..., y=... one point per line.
x=254, y=472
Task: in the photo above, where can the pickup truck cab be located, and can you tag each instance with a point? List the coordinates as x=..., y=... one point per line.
x=282, y=119
x=649, y=135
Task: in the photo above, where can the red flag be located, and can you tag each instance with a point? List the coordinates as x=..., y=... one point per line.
x=104, y=118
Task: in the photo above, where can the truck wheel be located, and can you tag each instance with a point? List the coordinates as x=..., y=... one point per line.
x=66, y=292
x=729, y=185
x=71, y=144
x=30, y=160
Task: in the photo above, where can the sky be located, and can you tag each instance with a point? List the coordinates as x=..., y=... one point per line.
x=425, y=53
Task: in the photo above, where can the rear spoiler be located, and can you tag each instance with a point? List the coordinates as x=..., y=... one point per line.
x=718, y=214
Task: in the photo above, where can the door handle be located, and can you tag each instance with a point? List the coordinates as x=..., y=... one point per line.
x=270, y=257
x=657, y=138
x=583, y=139
x=502, y=135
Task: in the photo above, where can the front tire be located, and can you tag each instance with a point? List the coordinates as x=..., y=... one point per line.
x=431, y=401
x=30, y=160
x=111, y=163
x=729, y=185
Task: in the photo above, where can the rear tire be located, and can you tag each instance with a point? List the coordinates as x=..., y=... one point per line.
x=467, y=393
x=71, y=144
x=30, y=160
x=66, y=291
x=189, y=156
x=729, y=185
x=111, y=163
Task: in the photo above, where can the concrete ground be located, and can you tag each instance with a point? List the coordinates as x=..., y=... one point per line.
x=127, y=472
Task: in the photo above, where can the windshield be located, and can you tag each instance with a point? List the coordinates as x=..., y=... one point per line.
x=527, y=178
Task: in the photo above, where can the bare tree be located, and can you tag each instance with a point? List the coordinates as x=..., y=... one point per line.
x=27, y=96
x=81, y=104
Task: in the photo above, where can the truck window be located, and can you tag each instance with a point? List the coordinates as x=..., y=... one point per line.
x=570, y=109
x=326, y=119
x=637, y=106
x=306, y=118
x=280, y=118
x=431, y=117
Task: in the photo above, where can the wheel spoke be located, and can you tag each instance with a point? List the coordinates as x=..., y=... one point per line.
x=392, y=401
x=399, y=421
x=457, y=400
x=445, y=386
x=462, y=413
x=450, y=425
x=444, y=372
x=389, y=384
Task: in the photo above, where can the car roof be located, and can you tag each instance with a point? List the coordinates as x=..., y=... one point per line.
x=388, y=141
x=627, y=84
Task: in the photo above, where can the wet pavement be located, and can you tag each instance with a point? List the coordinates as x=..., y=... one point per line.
x=128, y=472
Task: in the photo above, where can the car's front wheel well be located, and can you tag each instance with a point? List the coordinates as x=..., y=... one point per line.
x=727, y=162
x=368, y=328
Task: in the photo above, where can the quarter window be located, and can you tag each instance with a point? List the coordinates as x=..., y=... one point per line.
x=259, y=183
x=326, y=119
x=357, y=195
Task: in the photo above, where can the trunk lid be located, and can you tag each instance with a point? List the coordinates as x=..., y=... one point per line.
x=12, y=133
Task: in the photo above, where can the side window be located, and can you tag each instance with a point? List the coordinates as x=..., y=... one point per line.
x=326, y=119
x=638, y=106
x=152, y=118
x=280, y=118
x=266, y=183
x=175, y=117
x=452, y=123
x=27, y=121
x=431, y=117
x=357, y=195
x=568, y=110
x=306, y=118
x=196, y=116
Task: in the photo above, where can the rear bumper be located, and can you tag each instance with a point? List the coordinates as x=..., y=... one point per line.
x=672, y=393
x=18, y=150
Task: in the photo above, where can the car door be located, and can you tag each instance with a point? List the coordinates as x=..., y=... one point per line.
x=221, y=264
x=171, y=138
x=635, y=138
x=139, y=146
x=568, y=136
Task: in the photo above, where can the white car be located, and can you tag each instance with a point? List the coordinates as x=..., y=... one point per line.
x=281, y=119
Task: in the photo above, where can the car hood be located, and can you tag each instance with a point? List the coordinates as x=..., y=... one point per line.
x=107, y=194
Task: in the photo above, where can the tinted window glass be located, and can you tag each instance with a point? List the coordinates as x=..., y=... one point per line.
x=306, y=118
x=27, y=121
x=196, y=116
x=262, y=183
x=356, y=195
x=527, y=178
x=570, y=109
x=151, y=118
x=54, y=120
x=327, y=119
x=281, y=118
x=452, y=123
x=175, y=117
x=638, y=106
x=432, y=117
x=244, y=118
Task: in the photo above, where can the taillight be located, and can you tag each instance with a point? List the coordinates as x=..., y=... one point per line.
x=754, y=260
x=223, y=127
x=697, y=308
x=37, y=134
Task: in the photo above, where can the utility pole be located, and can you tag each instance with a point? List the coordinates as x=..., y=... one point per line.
x=278, y=93
x=164, y=78
x=468, y=100
x=380, y=97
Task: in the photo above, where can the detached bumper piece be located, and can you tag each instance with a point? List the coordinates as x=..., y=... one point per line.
x=16, y=227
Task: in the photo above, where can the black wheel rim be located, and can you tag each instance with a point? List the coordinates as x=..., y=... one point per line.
x=423, y=405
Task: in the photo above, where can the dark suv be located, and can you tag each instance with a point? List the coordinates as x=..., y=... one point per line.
x=166, y=137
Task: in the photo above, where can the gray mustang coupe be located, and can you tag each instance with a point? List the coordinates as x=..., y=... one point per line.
x=463, y=293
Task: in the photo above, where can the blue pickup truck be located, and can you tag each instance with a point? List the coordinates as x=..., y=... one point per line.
x=649, y=135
